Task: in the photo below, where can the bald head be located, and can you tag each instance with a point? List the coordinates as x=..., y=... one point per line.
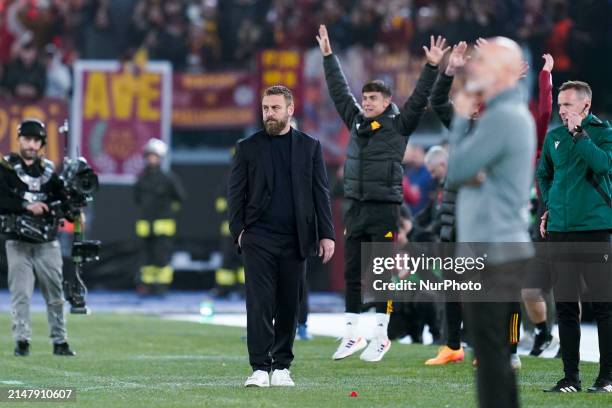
x=506, y=53
x=496, y=67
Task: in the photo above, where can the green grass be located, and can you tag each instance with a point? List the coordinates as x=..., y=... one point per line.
x=141, y=361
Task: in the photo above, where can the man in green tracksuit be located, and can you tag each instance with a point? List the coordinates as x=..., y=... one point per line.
x=574, y=175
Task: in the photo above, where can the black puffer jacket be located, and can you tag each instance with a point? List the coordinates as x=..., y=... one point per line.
x=446, y=215
x=373, y=168
x=442, y=106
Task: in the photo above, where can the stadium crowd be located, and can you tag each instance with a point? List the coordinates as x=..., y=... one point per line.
x=40, y=40
x=204, y=35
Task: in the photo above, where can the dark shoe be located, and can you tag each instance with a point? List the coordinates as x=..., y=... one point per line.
x=22, y=348
x=63, y=349
x=566, y=385
x=601, y=385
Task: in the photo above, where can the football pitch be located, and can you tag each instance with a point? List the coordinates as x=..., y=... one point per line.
x=144, y=361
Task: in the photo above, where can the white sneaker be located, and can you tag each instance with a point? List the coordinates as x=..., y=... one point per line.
x=259, y=378
x=551, y=349
x=281, y=378
x=515, y=362
x=349, y=346
x=376, y=350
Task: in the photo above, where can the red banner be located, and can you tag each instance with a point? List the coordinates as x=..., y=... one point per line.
x=213, y=101
x=282, y=67
x=51, y=111
x=115, y=111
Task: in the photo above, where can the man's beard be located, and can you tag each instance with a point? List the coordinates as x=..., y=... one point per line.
x=274, y=127
x=28, y=154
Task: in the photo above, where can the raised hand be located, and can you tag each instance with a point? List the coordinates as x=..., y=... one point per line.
x=549, y=62
x=457, y=58
x=323, y=40
x=573, y=120
x=436, y=50
x=480, y=42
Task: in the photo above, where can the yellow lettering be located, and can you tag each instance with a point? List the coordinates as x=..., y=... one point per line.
x=290, y=59
x=123, y=86
x=272, y=77
x=148, y=92
x=290, y=79
x=96, y=97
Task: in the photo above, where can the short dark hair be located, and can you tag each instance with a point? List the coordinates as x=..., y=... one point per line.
x=279, y=90
x=581, y=88
x=377, y=85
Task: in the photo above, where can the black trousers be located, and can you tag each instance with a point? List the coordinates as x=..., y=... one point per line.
x=453, y=309
x=411, y=318
x=274, y=272
x=569, y=275
x=365, y=222
x=454, y=318
x=489, y=332
x=304, y=309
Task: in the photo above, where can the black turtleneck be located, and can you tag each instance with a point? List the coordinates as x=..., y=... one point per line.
x=279, y=216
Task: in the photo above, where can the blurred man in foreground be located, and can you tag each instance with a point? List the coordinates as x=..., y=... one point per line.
x=492, y=165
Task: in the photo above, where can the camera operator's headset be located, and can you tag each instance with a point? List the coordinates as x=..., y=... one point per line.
x=33, y=128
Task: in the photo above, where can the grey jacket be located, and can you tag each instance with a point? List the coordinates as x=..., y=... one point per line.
x=502, y=144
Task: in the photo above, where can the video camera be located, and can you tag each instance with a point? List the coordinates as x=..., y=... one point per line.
x=80, y=182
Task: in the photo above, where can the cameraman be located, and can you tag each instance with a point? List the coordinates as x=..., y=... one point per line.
x=28, y=186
